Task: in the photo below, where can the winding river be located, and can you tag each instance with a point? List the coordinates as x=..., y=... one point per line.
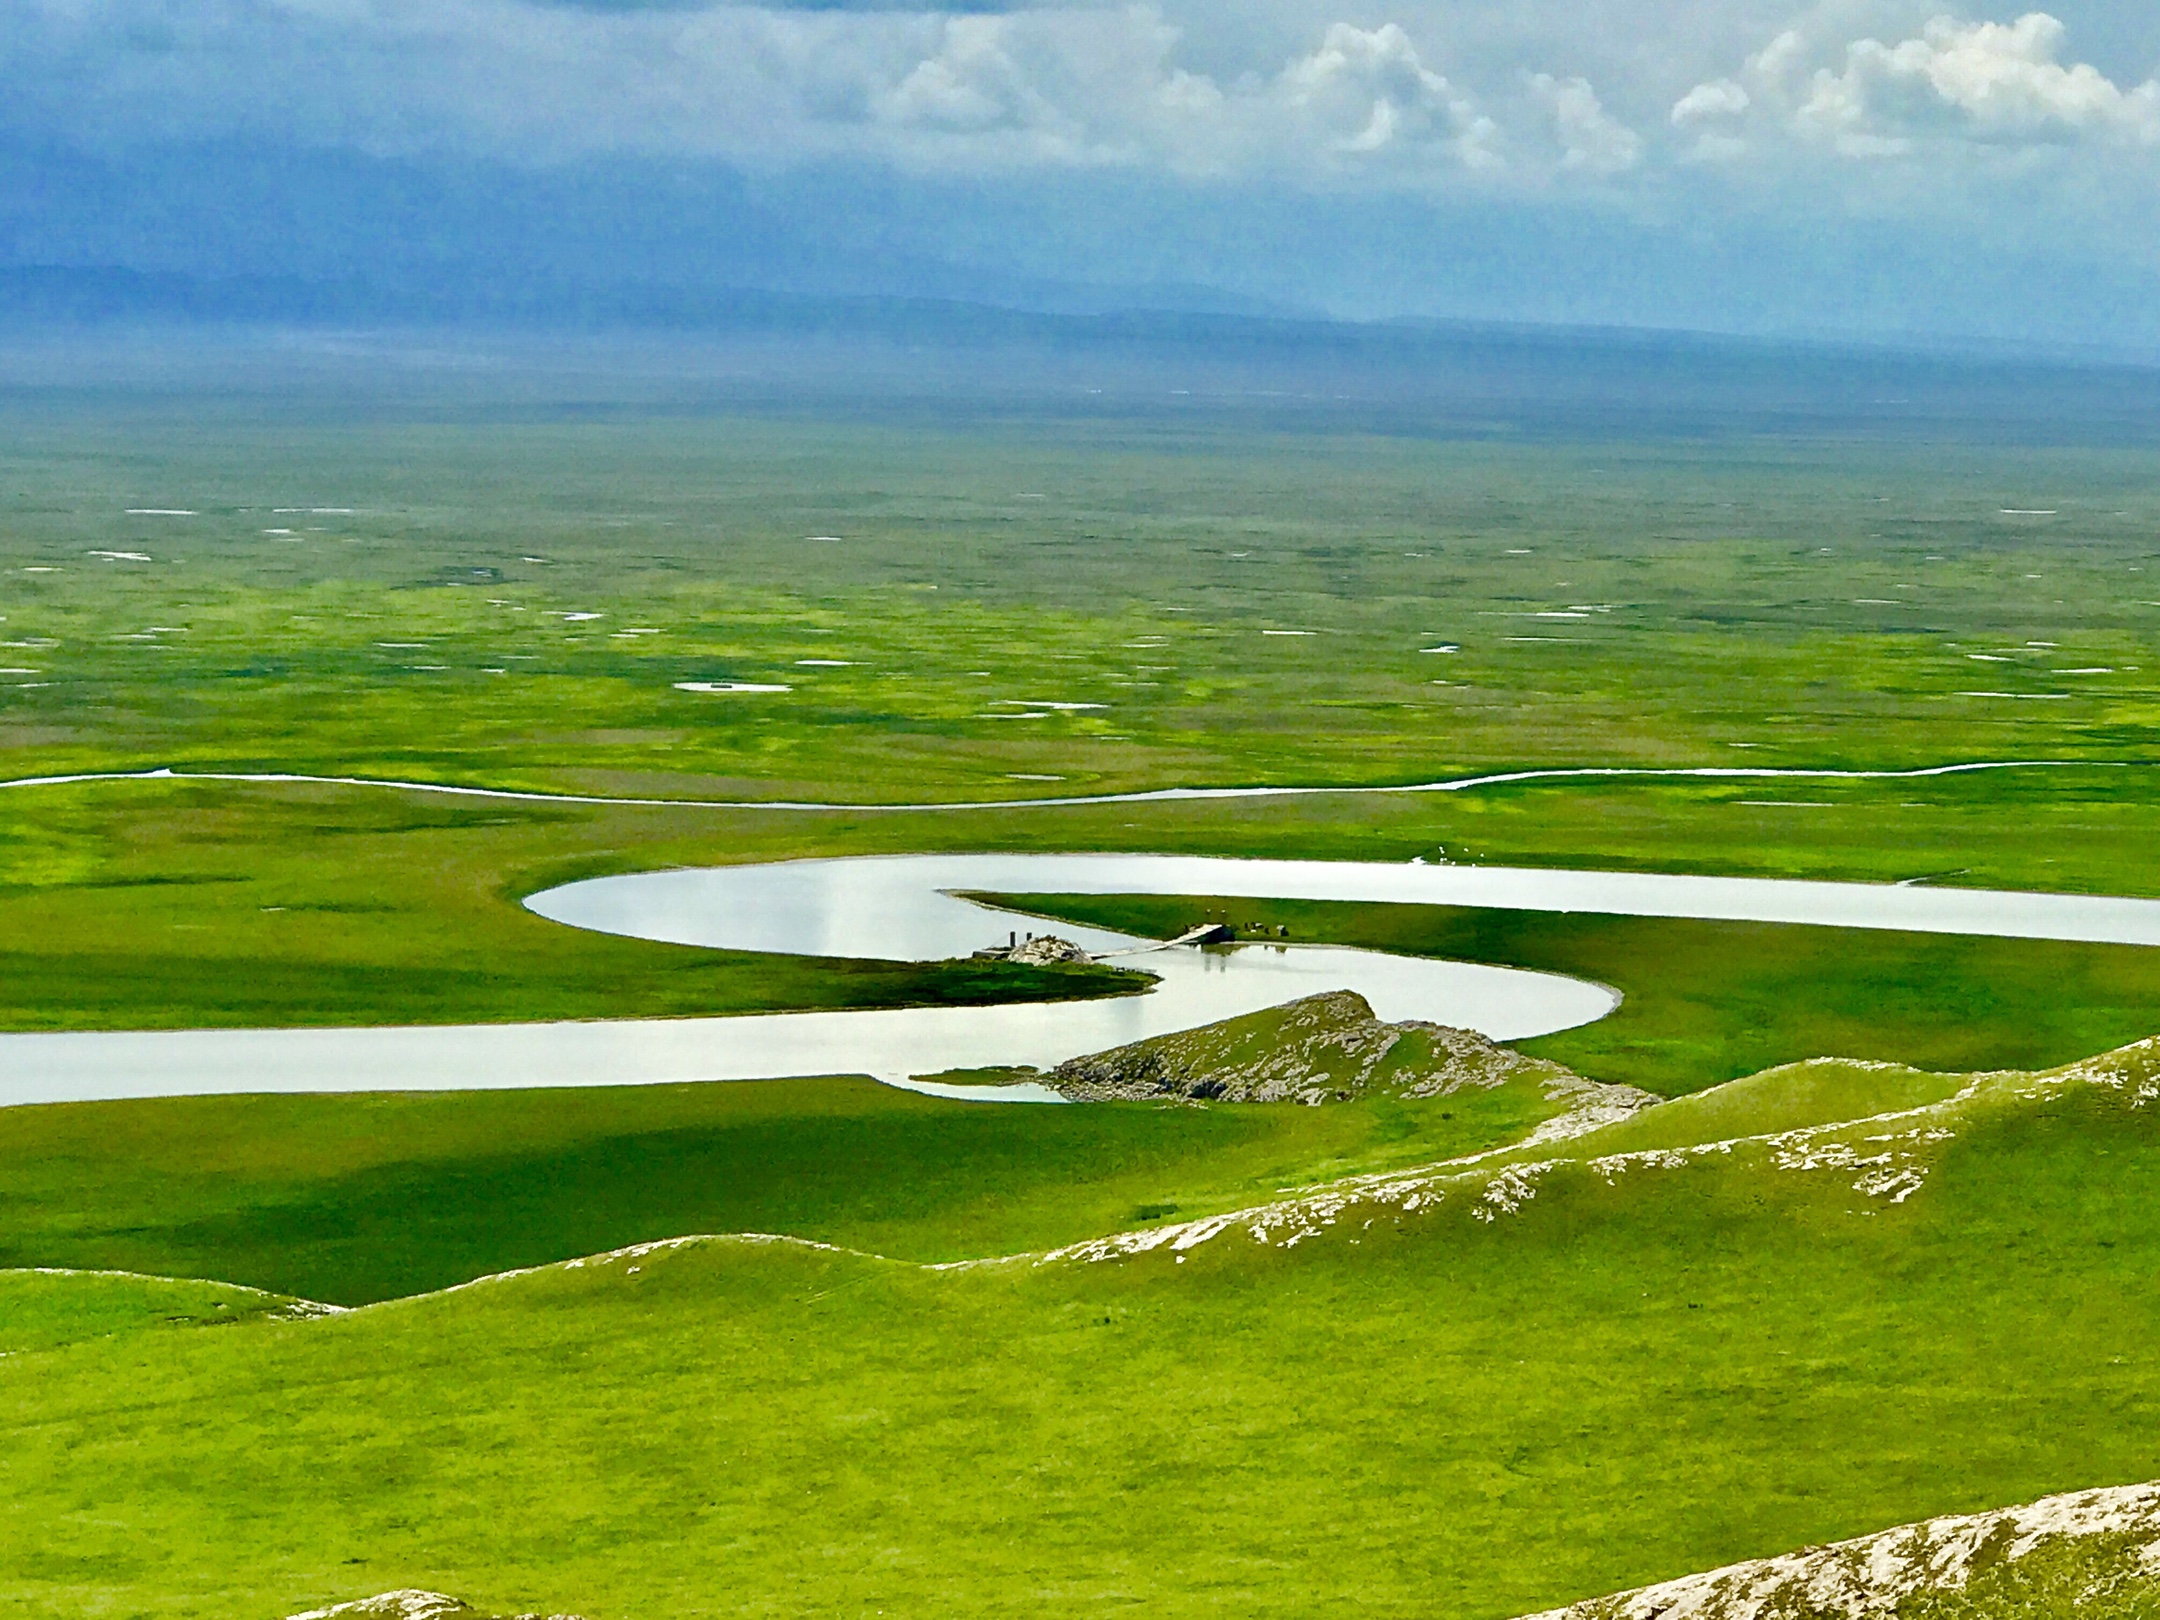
x=900, y=908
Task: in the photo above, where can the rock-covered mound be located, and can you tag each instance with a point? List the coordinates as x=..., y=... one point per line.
x=412, y=1604
x=1047, y=950
x=1324, y=1048
x=2102, y=1545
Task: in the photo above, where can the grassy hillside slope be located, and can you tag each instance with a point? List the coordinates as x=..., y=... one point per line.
x=356, y=1198
x=44, y=1309
x=1472, y=1395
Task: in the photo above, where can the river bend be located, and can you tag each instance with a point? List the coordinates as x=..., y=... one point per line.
x=900, y=908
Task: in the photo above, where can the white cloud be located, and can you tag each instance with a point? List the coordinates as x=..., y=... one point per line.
x=1104, y=88
x=1954, y=83
x=2001, y=79
x=972, y=83
x=1591, y=139
x=1073, y=87
x=1368, y=91
x=1344, y=104
x=1718, y=98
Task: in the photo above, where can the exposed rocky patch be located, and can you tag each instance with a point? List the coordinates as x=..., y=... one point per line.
x=1037, y=950
x=413, y=1604
x=1324, y=1048
x=1047, y=950
x=1872, y=1576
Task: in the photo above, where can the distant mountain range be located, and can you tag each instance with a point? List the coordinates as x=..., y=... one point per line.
x=1400, y=375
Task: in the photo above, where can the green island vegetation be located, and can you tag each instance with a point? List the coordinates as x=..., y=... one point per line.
x=822, y=1346
x=1712, y=1001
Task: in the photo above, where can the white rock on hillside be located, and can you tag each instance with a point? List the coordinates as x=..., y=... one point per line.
x=410, y=1604
x=1868, y=1576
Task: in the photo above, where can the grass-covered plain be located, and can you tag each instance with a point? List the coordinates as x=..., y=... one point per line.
x=506, y=590
x=1632, y=1374
x=1624, y=1377
x=473, y=594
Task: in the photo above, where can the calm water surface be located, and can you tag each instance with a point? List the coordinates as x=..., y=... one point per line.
x=896, y=908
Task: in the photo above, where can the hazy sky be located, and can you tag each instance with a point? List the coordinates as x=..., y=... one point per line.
x=1859, y=164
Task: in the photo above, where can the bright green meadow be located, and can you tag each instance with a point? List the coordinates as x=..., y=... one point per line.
x=354, y=590
x=353, y=1200
x=943, y=1358
x=1631, y=1372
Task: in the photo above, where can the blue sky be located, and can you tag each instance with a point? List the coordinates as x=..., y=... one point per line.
x=1863, y=166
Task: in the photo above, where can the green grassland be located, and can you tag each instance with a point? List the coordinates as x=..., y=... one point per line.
x=1810, y=601
x=172, y=904
x=148, y=907
x=46, y=1309
x=350, y=1200
x=353, y=579
x=1478, y=1407
x=357, y=593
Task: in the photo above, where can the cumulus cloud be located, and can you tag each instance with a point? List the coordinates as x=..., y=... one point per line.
x=986, y=91
x=1096, y=89
x=1998, y=85
x=1308, y=99
x=1368, y=91
x=1590, y=139
x=1718, y=98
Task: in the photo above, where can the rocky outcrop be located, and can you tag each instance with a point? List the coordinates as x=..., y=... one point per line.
x=413, y=1604
x=1047, y=950
x=1871, y=1576
x=1864, y=1579
x=1324, y=1048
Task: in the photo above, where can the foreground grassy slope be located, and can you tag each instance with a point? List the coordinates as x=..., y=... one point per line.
x=349, y=1199
x=2103, y=1579
x=1789, y=1098
x=1630, y=1374
x=1711, y=1001
x=44, y=1309
x=2083, y=1553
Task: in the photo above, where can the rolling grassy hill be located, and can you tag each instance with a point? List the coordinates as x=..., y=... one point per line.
x=1473, y=1391
x=353, y=1199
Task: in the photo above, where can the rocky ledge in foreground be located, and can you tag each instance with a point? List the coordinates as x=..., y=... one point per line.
x=1324, y=1048
x=412, y=1604
x=2098, y=1550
